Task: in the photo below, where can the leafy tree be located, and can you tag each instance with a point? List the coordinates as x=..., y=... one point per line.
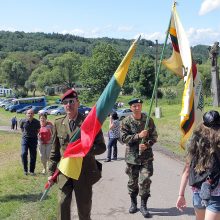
x=168, y=78
x=142, y=76
x=205, y=70
x=67, y=68
x=98, y=70
x=14, y=73
x=36, y=78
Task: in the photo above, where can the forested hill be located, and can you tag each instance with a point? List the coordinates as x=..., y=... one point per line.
x=58, y=43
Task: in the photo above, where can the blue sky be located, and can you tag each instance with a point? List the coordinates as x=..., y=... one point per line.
x=113, y=18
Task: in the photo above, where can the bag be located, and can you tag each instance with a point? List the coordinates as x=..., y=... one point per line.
x=213, y=173
x=45, y=135
x=205, y=192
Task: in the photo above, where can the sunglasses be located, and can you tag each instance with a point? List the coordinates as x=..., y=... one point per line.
x=65, y=102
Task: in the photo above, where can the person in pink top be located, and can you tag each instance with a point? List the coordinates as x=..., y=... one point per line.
x=45, y=140
x=202, y=169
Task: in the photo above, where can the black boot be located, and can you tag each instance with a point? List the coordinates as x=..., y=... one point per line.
x=143, y=208
x=133, y=207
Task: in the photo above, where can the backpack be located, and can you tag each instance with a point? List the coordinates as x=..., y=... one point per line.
x=212, y=173
x=45, y=135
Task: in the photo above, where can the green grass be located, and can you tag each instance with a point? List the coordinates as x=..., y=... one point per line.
x=19, y=194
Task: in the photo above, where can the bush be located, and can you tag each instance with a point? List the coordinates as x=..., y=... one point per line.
x=170, y=95
x=20, y=93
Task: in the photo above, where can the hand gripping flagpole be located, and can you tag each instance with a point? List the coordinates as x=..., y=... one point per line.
x=53, y=179
x=156, y=80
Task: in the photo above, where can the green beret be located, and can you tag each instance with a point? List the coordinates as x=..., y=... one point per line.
x=133, y=101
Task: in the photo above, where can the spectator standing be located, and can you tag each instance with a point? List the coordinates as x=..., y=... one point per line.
x=45, y=140
x=114, y=133
x=14, y=123
x=30, y=128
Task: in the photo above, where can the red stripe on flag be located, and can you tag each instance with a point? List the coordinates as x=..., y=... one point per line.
x=194, y=70
x=89, y=129
x=176, y=47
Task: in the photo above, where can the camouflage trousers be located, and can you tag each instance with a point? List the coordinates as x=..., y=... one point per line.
x=139, y=178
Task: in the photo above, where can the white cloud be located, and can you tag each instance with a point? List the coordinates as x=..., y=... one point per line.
x=78, y=32
x=209, y=5
x=154, y=36
x=196, y=36
x=202, y=36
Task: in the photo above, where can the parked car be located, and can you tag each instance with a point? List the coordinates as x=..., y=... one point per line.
x=58, y=111
x=5, y=102
x=122, y=113
x=7, y=106
x=35, y=109
x=84, y=109
x=21, y=110
x=48, y=109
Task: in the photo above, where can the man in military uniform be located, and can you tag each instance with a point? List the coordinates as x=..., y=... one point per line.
x=64, y=128
x=138, y=155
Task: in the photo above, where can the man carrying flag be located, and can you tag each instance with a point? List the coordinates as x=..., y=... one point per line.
x=64, y=129
x=77, y=166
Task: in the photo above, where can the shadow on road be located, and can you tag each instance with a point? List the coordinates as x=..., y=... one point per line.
x=118, y=159
x=171, y=211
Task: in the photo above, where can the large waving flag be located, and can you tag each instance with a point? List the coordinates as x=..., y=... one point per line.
x=71, y=163
x=181, y=63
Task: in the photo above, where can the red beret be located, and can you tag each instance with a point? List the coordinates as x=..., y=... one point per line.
x=71, y=93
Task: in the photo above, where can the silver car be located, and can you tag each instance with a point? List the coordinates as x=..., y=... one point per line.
x=122, y=113
x=58, y=111
x=47, y=110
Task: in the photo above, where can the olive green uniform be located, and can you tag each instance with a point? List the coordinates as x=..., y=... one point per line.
x=139, y=167
x=90, y=172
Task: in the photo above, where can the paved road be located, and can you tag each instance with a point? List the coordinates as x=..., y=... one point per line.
x=111, y=200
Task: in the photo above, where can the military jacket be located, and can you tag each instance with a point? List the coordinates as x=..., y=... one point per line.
x=130, y=128
x=61, y=137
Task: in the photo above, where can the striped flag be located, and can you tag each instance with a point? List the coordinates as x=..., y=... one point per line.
x=181, y=64
x=71, y=162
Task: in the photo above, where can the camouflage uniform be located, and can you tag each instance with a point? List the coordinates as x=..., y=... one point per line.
x=90, y=172
x=138, y=166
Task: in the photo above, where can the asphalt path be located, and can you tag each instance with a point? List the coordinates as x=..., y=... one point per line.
x=110, y=197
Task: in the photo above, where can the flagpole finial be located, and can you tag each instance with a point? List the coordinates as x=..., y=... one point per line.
x=137, y=39
x=175, y=3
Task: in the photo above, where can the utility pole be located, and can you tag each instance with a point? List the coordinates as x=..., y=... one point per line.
x=158, y=112
x=156, y=52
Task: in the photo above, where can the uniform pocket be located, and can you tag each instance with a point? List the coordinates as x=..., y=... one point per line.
x=94, y=174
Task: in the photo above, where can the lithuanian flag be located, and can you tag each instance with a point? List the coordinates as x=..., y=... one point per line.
x=71, y=162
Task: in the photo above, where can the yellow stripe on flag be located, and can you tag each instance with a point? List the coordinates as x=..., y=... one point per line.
x=71, y=167
x=173, y=31
x=122, y=70
x=174, y=63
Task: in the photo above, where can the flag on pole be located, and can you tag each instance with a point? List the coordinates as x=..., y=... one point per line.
x=71, y=162
x=181, y=64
